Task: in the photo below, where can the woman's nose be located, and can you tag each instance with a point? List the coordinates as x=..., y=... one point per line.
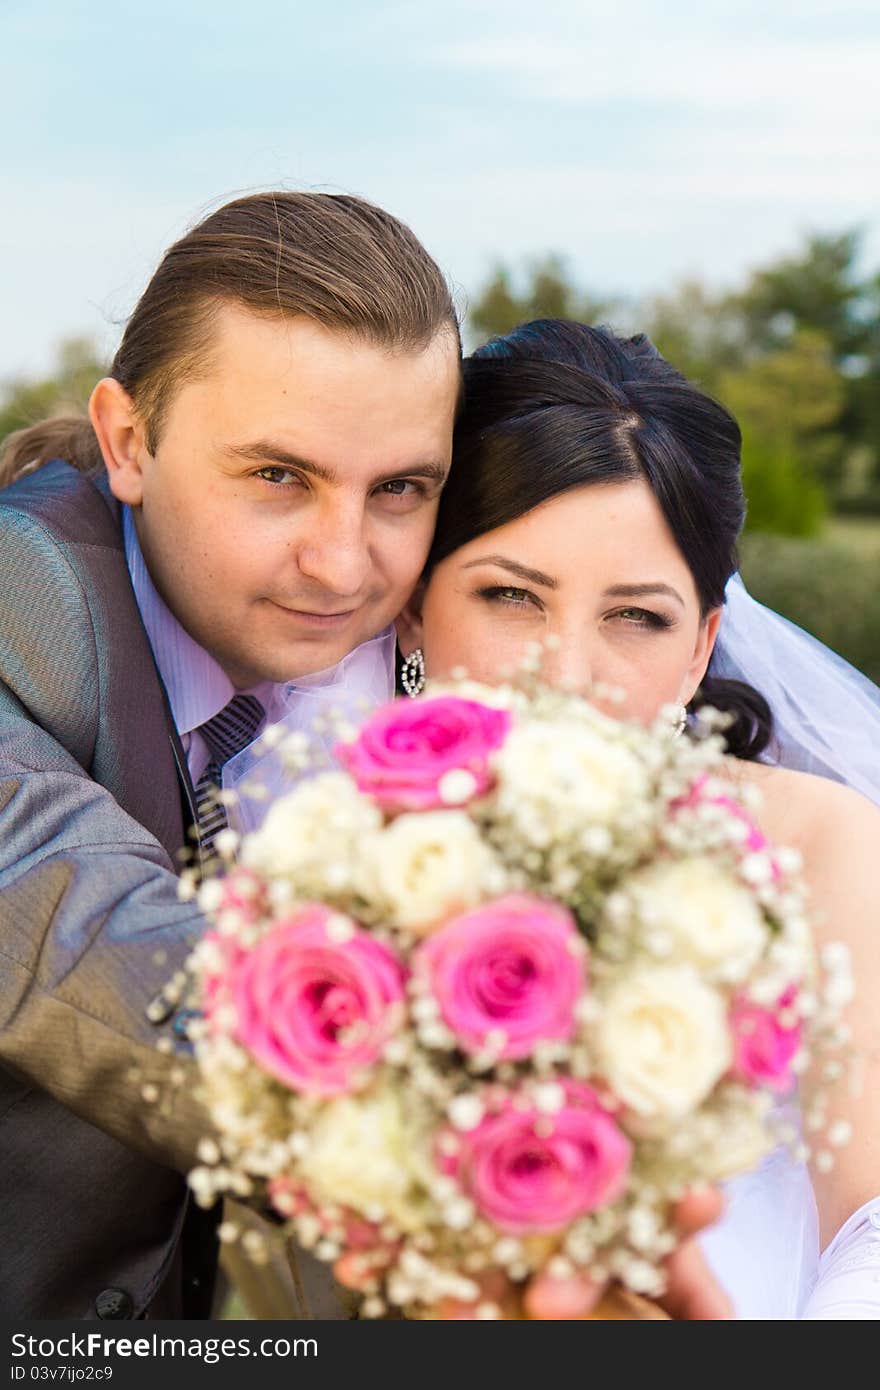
x=568, y=662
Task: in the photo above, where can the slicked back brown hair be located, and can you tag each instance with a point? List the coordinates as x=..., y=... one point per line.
x=332, y=258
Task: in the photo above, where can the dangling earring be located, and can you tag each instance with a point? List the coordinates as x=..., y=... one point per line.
x=412, y=673
x=679, y=723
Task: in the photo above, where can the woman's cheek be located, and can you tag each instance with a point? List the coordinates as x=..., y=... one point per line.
x=470, y=641
x=648, y=679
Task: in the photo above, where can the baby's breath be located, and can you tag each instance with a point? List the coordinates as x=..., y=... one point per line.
x=679, y=915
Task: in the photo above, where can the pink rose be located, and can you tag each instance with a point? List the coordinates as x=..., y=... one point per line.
x=404, y=750
x=314, y=1010
x=243, y=896
x=765, y=1042
x=514, y=967
x=755, y=839
x=528, y=1171
x=288, y=1196
x=219, y=959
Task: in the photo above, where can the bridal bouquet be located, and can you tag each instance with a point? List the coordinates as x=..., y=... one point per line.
x=493, y=996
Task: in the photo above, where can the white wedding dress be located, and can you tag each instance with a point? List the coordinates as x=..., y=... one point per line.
x=765, y=1250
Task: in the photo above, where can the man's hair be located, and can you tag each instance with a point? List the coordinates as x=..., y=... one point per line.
x=331, y=258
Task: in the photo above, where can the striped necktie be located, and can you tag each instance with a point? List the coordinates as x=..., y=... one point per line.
x=226, y=734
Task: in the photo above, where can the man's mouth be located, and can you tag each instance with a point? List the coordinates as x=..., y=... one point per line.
x=309, y=617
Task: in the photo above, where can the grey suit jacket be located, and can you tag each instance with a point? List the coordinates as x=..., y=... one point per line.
x=91, y=1194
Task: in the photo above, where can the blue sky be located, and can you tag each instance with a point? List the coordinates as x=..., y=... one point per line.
x=646, y=141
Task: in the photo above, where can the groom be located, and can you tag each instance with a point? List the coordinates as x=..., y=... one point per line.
x=254, y=499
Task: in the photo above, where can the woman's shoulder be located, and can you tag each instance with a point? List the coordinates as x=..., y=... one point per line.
x=806, y=810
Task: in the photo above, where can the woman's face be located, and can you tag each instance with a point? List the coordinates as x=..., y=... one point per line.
x=598, y=572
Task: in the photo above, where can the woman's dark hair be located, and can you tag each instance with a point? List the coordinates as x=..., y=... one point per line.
x=556, y=405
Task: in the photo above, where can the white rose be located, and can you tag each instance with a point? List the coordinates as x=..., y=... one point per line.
x=368, y=1151
x=662, y=1040
x=311, y=835
x=729, y=1136
x=704, y=915
x=423, y=867
x=568, y=774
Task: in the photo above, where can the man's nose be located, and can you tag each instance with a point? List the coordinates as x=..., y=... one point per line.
x=335, y=551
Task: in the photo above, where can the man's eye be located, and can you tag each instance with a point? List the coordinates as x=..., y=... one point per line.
x=397, y=487
x=277, y=476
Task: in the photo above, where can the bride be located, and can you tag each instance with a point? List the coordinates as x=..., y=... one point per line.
x=595, y=501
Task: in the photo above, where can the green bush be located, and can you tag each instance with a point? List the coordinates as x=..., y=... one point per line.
x=781, y=497
x=865, y=504
x=823, y=586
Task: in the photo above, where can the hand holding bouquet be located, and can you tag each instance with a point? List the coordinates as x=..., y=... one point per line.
x=492, y=998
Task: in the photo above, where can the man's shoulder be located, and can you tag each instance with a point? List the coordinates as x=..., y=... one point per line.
x=68, y=507
x=63, y=590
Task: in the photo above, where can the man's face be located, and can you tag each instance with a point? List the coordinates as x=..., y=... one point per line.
x=288, y=509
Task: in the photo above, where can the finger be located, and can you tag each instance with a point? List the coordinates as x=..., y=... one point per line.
x=692, y=1291
x=454, y=1310
x=352, y=1271
x=495, y=1290
x=560, y=1299
x=698, y=1208
x=357, y=1268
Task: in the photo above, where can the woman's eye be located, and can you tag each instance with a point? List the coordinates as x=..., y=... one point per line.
x=507, y=593
x=642, y=617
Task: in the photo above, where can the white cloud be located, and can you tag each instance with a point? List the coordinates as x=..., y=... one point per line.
x=632, y=232
x=737, y=74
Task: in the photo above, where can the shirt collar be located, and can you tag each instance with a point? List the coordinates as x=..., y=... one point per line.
x=197, y=686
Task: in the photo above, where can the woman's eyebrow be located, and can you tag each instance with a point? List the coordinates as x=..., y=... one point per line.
x=546, y=581
x=643, y=590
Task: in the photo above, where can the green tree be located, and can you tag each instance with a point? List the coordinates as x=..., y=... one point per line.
x=25, y=400
x=788, y=403
x=861, y=475
x=820, y=289
x=696, y=330
x=817, y=288
x=547, y=292
x=794, y=352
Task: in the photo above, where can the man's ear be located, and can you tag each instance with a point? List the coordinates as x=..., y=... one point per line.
x=702, y=652
x=121, y=435
x=409, y=621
